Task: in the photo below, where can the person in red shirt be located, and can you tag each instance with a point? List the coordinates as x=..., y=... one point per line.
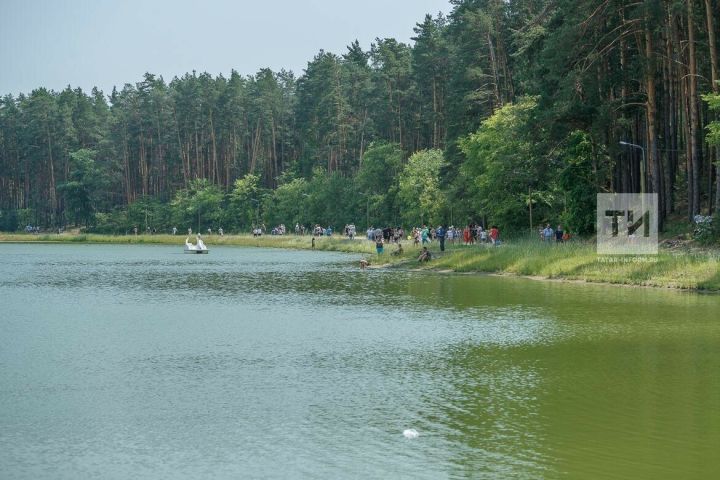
x=494, y=235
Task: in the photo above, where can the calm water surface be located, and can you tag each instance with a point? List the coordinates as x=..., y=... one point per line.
x=135, y=361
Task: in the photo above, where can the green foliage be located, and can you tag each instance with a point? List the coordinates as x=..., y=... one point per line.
x=115, y=223
x=713, y=128
x=330, y=200
x=713, y=136
x=713, y=100
x=503, y=163
x=80, y=187
x=198, y=207
x=376, y=184
x=431, y=72
x=525, y=98
x=243, y=201
x=26, y=216
x=707, y=231
x=578, y=182
x=144, y=213
x=380, y=167
x=421, y=200
x=288, y=204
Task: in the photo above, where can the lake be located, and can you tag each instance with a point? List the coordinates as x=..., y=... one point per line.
x=135, y=361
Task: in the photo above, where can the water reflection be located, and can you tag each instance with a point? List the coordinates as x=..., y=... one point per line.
x=267, y=363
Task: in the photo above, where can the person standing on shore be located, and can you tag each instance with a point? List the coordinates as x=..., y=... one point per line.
x=440, y=232
x=424, y=235
x=379, y=244
x=559, y=234
x=548, y=233
x=494, y=235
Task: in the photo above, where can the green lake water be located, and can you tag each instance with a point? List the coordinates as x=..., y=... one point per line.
x=121, y=362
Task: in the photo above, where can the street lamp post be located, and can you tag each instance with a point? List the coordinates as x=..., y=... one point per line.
x=643, y=165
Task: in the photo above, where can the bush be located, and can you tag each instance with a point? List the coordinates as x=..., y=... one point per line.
x=112, y=223
x=707, y=230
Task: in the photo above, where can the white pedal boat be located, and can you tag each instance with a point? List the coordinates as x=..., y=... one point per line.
x=199, y=248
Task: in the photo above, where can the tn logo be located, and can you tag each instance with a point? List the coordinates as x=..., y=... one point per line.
x=632, y=226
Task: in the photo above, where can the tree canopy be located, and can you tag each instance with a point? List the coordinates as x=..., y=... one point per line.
x=505, y=109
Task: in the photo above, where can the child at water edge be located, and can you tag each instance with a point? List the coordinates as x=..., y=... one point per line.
x=379, y=245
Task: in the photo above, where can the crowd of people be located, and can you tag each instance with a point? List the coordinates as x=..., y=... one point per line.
x=388, y=234
x=350, y=231
x=469, y=235
x=427, y=234
x=421, y=236
x=279, y=230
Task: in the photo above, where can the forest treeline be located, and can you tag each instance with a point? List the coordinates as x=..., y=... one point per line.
x=503, y=111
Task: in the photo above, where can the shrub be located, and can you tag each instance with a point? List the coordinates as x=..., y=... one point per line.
x=707, y=230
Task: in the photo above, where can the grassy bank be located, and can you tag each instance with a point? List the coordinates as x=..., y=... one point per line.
x=336, y=244
x=577, y=260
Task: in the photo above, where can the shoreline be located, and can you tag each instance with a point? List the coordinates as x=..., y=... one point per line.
x=539, y=278
x=574, y=262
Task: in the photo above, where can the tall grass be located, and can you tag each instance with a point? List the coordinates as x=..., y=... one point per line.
x=577, y=260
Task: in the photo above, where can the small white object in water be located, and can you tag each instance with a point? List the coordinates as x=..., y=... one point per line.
x=410, y=433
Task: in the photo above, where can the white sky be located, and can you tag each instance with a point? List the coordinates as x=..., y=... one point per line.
x=86, y=43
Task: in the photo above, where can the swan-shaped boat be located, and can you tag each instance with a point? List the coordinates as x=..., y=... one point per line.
x=198, y=248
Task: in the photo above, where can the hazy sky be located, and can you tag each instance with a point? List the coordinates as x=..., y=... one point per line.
x=86, y=43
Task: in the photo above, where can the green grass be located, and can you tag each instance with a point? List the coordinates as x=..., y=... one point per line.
x=576, y=260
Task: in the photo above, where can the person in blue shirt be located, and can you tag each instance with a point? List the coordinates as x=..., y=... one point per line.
x=548, y=233
x=440, y=234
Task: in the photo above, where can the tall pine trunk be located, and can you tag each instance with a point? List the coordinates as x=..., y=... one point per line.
x=694, y=160
x=653, y=173
x=712, y=45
